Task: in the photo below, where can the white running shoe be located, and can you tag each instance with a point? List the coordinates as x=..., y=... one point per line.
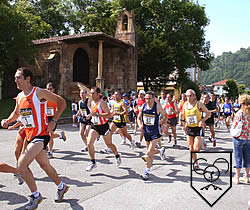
x=63, y=136
x=145, y=176
x=145, y=158
x=50, y=155
x=162, y=153
x=19, y=179
x=106, y=150
x=85, y=149
x=91, y=166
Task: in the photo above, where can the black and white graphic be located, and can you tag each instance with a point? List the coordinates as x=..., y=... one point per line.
x=211, y=174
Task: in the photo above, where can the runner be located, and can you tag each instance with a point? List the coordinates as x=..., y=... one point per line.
x=149, y=122
x=227, y=107
x=31, y=107
x=163, y=99
x=84, y=110
x=211, y=106
x=182, y=102
x=99, y=114
x=51, y=109
x=74, y=112
x=193, y=122
x=119, y=112
x=140, y=102
x=172, y=112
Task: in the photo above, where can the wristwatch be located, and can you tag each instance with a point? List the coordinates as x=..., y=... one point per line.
x=54, y=120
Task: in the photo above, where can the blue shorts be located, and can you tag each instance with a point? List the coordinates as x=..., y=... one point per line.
x=241, y=153
x=151, y=137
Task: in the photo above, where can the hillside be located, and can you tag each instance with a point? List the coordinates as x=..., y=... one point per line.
x=229, y=66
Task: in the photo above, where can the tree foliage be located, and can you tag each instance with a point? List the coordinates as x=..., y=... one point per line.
x=231, y=88
x=229, y=65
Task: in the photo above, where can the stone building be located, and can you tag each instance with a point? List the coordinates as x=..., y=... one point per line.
x=91, y=58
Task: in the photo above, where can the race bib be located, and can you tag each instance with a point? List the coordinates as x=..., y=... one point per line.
x=50, y=111
x=149, y=119
x=192, y=120
x=84, y=112
x=117, y=118
x=26, y=117
x=169, y=111
x=94, y=120
x=227, y=110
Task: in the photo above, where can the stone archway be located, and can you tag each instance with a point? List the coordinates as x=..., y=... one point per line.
x=81, y=67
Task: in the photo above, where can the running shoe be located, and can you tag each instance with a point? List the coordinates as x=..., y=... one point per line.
x=62, y=136
x=50, y=155
x=60, y=193
x=91, y=166
x=85, y=149
x=19, y=179
x=175, y=143
x=134, y=132
x=98, y=138
x=162, y=153
x=145, y=176
x=210, y=138
x=34, y=201
x=145, y=158
x=138, y=144
x=106, y=150
x=118, y=160
x=132, y=145
x=169, y=138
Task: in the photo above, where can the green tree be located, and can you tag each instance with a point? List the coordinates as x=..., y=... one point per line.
x=231, y=88
x=241, y=89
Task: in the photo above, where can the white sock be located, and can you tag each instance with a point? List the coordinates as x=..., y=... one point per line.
x=35, y=194
x=60, y=186
x=147, y=170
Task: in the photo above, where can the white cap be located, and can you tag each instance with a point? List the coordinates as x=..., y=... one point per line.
x=142, y=91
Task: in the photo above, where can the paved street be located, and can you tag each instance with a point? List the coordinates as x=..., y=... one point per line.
x=109, y=187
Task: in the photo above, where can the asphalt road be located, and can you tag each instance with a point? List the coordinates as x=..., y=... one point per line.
x=109, y=187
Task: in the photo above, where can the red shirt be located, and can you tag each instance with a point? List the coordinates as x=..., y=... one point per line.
x=169, y=111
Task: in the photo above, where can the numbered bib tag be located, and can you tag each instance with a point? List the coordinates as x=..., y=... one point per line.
x=191, y=120
x=94, y=120
x=169, y=111
x=26, y=117
x=84, y=112
x=149, y=119
x=50, y=111
x=227, y=110
x=117, y=118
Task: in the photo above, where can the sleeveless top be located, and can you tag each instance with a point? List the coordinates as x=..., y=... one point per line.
x=51, y=108
x=192, y=116
x=32, y=114
x=139, y=104
x=96, y=107
x=83, y=107
x=170, y=113
x=151, y=120
x=118, y=108
x=227, y=108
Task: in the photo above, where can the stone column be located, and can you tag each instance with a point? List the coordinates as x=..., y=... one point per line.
x=99, y=79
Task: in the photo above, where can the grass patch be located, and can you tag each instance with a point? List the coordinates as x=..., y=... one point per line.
x=8, y=105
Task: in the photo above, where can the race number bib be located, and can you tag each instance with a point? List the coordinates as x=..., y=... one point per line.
x=84, y=112
x=149, y=119
x=50, y=111
x=192, y=120
x=26, y=117
x=227, y=110
x=169, y=111
x=117, y=118
x=94, y=120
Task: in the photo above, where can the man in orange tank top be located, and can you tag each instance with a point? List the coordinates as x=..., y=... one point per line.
x=99, y=115
x=31, y=107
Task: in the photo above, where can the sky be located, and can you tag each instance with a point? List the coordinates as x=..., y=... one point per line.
x=229, y=28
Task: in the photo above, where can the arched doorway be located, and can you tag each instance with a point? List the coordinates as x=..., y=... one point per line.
x=81, y=67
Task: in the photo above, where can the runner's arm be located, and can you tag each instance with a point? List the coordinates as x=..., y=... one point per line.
x=106, y=110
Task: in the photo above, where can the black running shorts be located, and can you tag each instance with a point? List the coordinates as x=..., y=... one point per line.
x=45, y=139
x=102, y=130
x=194, y=131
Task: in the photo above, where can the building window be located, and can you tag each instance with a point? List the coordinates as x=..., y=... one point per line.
x=124, y=22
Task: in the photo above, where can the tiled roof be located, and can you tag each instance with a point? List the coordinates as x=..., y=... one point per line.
x=97, y=35
x=222, y=82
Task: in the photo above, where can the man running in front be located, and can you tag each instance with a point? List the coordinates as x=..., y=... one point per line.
x=149, y=122
x=99, y=127
x=31, y=107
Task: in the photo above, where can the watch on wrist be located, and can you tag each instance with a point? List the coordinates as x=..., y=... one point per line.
x=54, y=120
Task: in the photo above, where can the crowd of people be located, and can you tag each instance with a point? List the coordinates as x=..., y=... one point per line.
x=154, y=117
